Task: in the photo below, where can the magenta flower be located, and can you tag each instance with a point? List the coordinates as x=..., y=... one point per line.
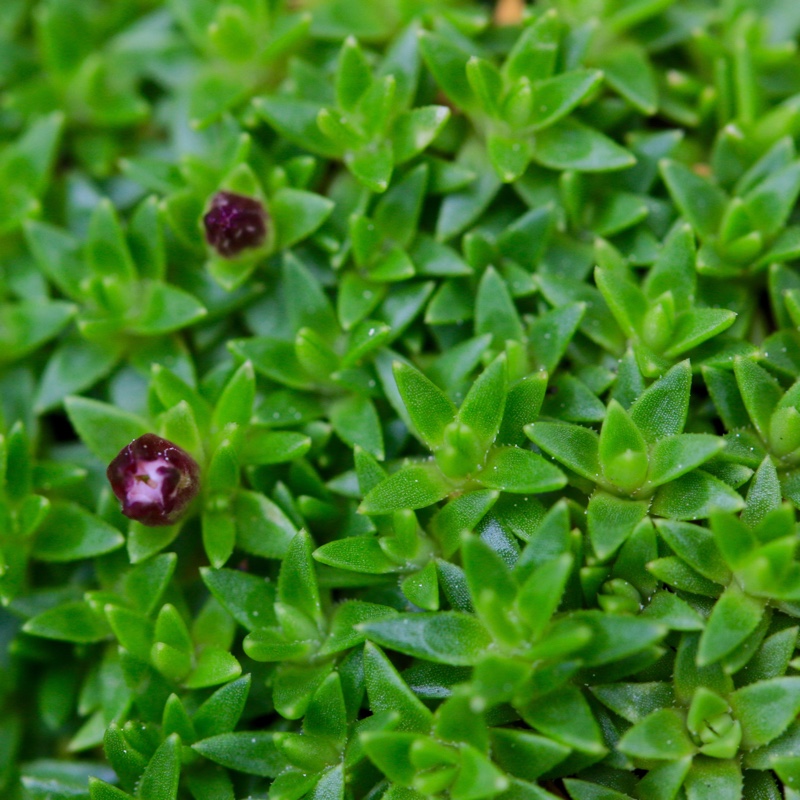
x=154, y=480
x=235, y=223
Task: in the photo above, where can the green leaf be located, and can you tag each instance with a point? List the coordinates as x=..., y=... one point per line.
x=428, y=407
x=700, y=201
x=695, y=496
x=415, y=486
x=235, y=405
x=576, y=447
x=734, y=617
x=614, y=637
x=146, y=583
x=760, y=393
x=366, y=337
x=344, y=632
x=724, y=392
x=764, y=494
x=698, y=547
x=770, y=202
x=75, y=365
x=307, y=305
x=622, y=450
x=214, y=666
x=356, y=422
x=372, y=166
x=540, y=595
x=57, y=255
x=251, y=752
x=220, y=712
x=263, y=446
x=397, y=213
x=357, y=554
x=70, y=533
x=535, y=51
x=462, y=514
x=478, y=777
x=661, y=409
x=444, y=637
x=104, y=429
x=624, y=298
x=26, y=325
x=482, y=409
x=262, y=528
x=422, y=587
x=353, y=75
x=583, y=790
x=678, y=574
x=695, y=326
x=144, y=542
x=165, y=308
x=513, y=469
x=554, y=98
x=628, y=71
x=486, y=572
x=569, y=145
x=676, y=455
x=635, y=701
x=246, y=597
x=414, y=130
x=525, y=755
x=297, y=214
x=388, y=692
x=550, y=334
x=296, y=120
x=68, y=622
x=765, y=709
x=160, y=777
x=106, y=250
x=495, y=312
x=660, y=735
x=100, y=790
x=565, y=716
x=522, y=406
x=448, y=63
x=460, y=209
x=219, y=536
x=712, y=778
x=297, y=582
x=509, y=156
x=611, y=521
x=436, y=259
x=390, y=751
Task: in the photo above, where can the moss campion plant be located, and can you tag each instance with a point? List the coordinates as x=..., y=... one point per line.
x=445, y=362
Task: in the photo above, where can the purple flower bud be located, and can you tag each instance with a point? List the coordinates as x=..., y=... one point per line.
x=154, y=480
x=235, y=223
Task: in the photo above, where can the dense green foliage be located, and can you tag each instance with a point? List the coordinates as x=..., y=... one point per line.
x=499, y=427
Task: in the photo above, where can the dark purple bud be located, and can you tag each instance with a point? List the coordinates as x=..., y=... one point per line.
x=154, y=480
x=235, y=223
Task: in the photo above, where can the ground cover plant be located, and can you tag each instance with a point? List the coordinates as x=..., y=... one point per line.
x=399, y=400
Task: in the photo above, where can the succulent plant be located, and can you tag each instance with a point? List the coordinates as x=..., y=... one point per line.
x=447, y=362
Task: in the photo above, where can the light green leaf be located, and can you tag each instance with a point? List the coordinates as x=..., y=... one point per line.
x=571, y=145
x=576, y=447
x=444, y=637
x=734, y=617
x=513, y=469
x=70, y=533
